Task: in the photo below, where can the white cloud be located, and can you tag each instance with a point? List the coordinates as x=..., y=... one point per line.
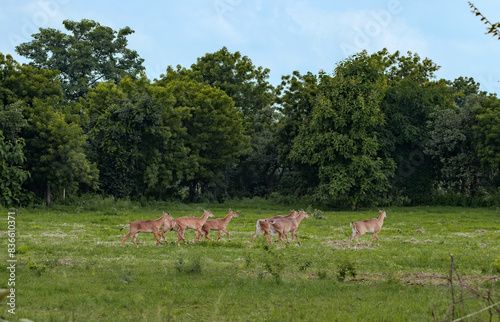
x=350, y=31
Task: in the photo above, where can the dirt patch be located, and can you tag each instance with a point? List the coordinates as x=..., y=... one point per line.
x=424, y=279
x=466, y=235
x=65, y=262
x=58, y=235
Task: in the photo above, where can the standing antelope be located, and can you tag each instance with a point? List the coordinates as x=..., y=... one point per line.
x=147, y=226
x=285, y=225
x=192, y=223
x=263, y=224
x=371, y=226
x=219, y=224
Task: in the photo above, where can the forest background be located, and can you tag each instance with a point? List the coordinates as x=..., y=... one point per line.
x=83, y=119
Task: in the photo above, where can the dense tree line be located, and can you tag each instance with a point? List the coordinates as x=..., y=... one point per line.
x=82, y=117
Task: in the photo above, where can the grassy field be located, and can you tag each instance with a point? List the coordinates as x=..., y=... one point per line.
x=70, y=266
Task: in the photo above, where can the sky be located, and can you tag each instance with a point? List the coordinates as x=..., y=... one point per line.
x=282, y=35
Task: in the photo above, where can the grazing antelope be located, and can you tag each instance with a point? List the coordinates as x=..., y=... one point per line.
x=371, y=226
x=263, y=224
x=192, y=223
x=219, y=224
x=147, y=226
x=285, y=225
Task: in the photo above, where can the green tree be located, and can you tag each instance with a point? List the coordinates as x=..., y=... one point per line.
x=296, y=96
x=236, y=75
x=53, y=143
x=341, y=135
x=90, y=54
x=452, y=145
x=135, y=137
x=487, y=129
x=214, y=134
x=55, y=150
x=247, y=85
x=12, y=120
x=12, y=175
x=26, y=83
x=410, y=98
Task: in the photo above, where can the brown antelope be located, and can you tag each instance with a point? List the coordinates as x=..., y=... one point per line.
x=285, y=225
x=219, y=224
x=147, y=226
x=192, y=223
x=370, y=226
x=170, y=225
x=263, y=224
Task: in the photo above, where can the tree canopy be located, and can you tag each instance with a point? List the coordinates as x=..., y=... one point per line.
x=82, y=117
x=90, y=54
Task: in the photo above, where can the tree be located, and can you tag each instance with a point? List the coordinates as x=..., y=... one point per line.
x=55, y=150
x=247, y=85
x=92, y=53
x=487, y=130
x=410, y=98
x=236, y=75
x=296, y=96
x=12, y=175
x=12, y=120
x=341, y=134
x=452, y=145
x=135, y=137
x=26, y=83
x=35, y=110
x=214, y=133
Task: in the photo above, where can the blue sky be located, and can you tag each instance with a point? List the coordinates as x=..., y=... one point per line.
x=280, y=35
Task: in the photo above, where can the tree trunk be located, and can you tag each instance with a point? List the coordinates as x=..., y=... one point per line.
x=192, y=192
x=48, y=195
x=271, y=183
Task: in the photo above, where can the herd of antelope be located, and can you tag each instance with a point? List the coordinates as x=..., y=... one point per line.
x=270, y=226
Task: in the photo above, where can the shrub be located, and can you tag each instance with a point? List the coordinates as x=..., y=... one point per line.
x=346, y=268
x=190, y=267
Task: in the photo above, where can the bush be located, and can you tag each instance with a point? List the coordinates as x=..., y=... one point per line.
x=190, y=267
x=346, y=268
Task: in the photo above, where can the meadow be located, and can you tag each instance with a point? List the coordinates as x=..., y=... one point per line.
x=70, y=266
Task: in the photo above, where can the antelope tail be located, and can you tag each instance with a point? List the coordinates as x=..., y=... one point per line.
x=124, y=226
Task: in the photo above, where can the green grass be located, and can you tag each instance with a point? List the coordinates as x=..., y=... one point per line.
x=70, y=265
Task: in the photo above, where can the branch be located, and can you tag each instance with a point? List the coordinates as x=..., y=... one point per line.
x=467, y=316
x=493, y=28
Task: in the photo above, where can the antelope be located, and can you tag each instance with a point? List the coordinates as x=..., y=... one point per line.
x=371, y=226
x=147, y=226
x=192, y=223
x=170, y=225
x=263, y=224
x=219, y=224
x=285, y=225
